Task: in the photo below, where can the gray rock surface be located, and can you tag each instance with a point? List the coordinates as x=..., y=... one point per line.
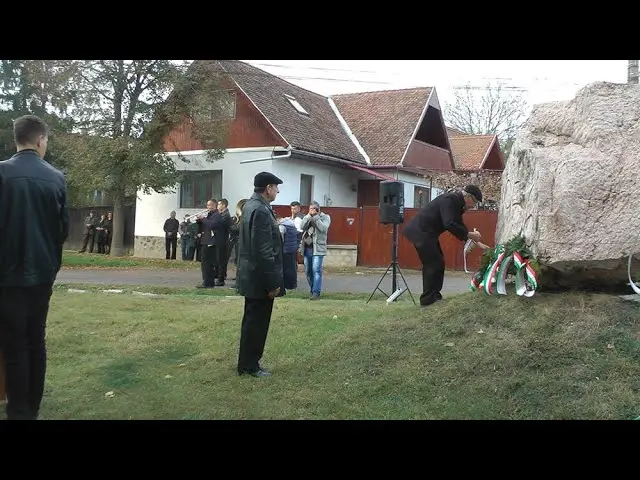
x=571, y=186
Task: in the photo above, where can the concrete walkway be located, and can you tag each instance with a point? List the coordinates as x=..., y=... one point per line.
x=454, y=282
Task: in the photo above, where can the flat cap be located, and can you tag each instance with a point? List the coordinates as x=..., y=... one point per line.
x=475, y=191
x=263, y=179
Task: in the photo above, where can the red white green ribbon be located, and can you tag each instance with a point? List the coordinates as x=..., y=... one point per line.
x=634, y=287
x=492, y=271
x=525, y=276
x=498, y=270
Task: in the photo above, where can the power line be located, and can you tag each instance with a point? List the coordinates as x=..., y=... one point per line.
x=323, y=69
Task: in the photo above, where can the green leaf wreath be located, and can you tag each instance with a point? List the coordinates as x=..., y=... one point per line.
x=518, y=244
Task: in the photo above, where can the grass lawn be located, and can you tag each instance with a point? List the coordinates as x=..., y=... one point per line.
x=71, y=259
x=125, y=356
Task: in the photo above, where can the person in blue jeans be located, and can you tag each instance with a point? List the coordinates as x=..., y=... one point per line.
x=313, y=247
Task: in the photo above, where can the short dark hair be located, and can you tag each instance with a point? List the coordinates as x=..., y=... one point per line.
x=224, y=201
x=295, y=204
x=28, y=128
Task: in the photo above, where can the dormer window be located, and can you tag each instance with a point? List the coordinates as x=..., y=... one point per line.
x=299, y=108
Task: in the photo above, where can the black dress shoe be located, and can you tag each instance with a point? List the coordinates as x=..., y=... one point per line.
x=257, y=373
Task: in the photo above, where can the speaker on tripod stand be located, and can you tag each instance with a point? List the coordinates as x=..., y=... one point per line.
x=392, y=212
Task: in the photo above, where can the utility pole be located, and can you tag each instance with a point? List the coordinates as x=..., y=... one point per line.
x=632, y=76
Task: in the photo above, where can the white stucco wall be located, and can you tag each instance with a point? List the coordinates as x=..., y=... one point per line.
x=237, y=183
x=410, y=182
x=331, y=186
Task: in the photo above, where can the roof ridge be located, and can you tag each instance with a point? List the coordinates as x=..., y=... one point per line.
x=280, y=78
x=381, y=91
x=474, y=135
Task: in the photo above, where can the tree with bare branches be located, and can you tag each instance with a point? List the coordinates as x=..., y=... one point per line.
x=492, y=110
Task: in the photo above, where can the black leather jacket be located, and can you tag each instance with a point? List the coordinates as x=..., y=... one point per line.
x=34, y=220
x=259, y=251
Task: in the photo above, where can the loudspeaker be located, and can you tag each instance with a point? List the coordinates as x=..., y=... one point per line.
x=391, y=202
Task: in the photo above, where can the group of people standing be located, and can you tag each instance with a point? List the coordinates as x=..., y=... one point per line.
x=213, y=240
x=97, y=232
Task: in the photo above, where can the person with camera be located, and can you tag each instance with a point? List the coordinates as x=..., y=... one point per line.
x=313, y=246
x=443, y=213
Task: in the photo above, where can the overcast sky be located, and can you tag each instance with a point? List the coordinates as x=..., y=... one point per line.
x=542, y=80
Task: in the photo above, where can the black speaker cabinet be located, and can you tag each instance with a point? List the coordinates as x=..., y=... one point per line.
x=391, y=202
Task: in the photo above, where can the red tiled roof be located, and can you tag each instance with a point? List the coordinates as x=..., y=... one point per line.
x=319, y=132
x=470, y=150
x=383, y=121
x=454, y=132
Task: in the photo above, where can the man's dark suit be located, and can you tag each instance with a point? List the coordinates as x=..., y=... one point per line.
x=443, y=213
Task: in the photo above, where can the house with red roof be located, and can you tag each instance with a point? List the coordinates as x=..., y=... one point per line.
x=335, y=150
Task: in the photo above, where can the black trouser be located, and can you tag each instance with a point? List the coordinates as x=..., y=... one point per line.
x=23, y=320
x=171, y=245
x=208, y=265
x=101, y=243
x=88, y=237
x=290, y=270
x=432, y=260
x=222, y=259
x=253, y=334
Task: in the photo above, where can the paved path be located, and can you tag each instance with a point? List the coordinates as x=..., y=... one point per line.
x=339, y=282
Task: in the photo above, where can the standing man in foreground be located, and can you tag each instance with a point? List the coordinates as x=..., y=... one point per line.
x=443, y=213
x=30, y=258
x=260, y=275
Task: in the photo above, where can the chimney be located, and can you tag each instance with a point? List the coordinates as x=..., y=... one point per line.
x=632, y=76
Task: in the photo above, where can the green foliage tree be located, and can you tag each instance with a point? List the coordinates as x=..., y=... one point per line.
x=38, y=87
x=123, y=111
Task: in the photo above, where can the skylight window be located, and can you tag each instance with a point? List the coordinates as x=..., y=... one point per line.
x=296, y=105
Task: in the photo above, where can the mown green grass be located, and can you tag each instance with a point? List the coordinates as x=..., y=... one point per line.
x=564, y=356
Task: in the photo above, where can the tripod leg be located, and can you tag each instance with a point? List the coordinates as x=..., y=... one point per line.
x=378, y=286
x=406, y=285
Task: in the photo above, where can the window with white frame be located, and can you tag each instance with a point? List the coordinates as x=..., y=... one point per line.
x=306, y=189
x=299, y=108
x=198, y=187
x=421, y=196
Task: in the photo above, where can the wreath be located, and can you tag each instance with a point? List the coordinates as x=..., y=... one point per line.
x=510, y=258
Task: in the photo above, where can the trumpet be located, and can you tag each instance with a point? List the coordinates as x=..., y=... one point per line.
x=196, y=215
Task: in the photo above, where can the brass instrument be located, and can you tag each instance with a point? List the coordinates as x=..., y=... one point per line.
x=196, y=215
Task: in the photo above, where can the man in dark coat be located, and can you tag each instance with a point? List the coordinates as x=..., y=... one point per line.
x=171, y=228
x=221, y=229
x=90, y=224
x=259, y=278
x=30, y=258
x=208, y=244
x=443, y=213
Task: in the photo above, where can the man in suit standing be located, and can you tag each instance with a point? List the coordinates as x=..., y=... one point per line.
x=171, y=228
x=208, y=256
x=221, y=230
x=443, y=213
x=260, y=276
x=30, y=258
